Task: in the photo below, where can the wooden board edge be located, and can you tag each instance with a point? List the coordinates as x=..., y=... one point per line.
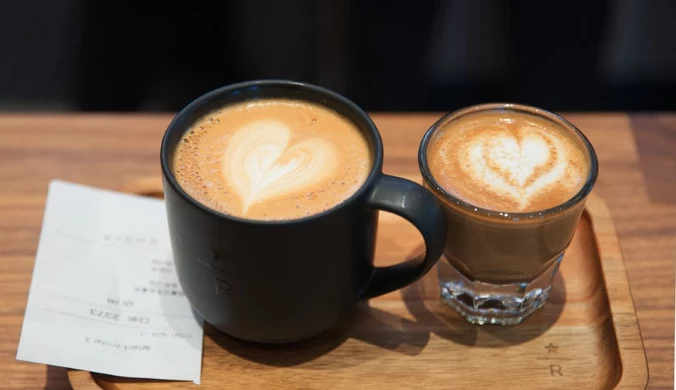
x=625, y=322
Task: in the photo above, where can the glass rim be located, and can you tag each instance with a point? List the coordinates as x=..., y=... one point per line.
x=497, y=214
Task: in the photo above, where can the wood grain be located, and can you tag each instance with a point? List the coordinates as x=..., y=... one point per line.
x=109, y=150
x=586, y=336
x=658, y=166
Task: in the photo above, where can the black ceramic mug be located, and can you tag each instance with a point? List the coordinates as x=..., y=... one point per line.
x=284, y=281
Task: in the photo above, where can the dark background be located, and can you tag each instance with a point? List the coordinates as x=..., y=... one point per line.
x=79, y=55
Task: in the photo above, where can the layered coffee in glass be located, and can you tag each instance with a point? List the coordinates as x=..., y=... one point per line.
x=513, y=181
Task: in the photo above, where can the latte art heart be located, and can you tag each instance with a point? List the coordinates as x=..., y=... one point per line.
x=517, y=161
x=272, y=159
x=260, y=162
x=508, y=164
x=514, y=168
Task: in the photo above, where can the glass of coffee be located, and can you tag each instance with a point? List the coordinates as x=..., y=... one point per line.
x=272, y=192
x=512, y=180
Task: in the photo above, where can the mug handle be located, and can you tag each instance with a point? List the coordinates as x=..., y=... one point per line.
x=418, y=206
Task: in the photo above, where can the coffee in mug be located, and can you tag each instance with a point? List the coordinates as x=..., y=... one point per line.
x=272, y=159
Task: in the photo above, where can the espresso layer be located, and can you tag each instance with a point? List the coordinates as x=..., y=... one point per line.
x=508, y=161
x=272, y=159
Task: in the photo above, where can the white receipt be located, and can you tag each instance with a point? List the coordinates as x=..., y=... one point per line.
x=104, y=296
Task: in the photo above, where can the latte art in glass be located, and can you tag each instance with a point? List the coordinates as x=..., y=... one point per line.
x=272, y=159
x=508, y=162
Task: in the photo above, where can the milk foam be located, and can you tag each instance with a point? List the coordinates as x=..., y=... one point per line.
x=272, y=159
x=508, y=162
x=260, y=163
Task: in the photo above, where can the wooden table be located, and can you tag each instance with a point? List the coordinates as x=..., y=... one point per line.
x=637, y=155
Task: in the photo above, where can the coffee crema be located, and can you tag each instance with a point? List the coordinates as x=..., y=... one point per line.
x=508, y=161
x=272, y=159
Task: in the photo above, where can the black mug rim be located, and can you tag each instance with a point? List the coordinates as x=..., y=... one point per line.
x=586, y=188
x=176, y=125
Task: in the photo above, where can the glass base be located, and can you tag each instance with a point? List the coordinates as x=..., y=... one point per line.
x=485, y=303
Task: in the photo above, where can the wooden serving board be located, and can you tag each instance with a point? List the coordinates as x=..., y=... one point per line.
x=585, y=337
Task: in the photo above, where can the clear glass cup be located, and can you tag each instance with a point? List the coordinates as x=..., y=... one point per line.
x=498, y=267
